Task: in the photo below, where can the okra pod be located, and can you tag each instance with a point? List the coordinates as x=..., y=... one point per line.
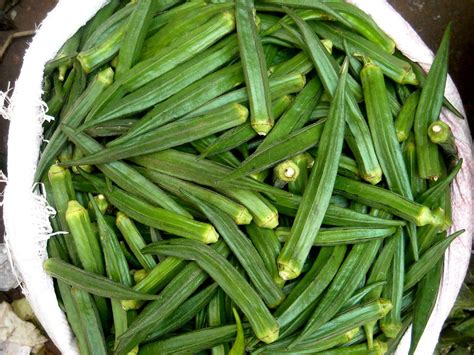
x=245, y=252
x=245, y=297
x=90, y=322
x=193, y=342
x=268, y=246
x=92, y=283
x=136, y=31
x=235, y=137
x=380, y=198
x=239, y=213
x=217, y=317
x=177, y=291
x=428, y=110
x=185, y=313
x=440, y=133
x=172, y=82
x=360, y=258
x=134, y=240
x=418, y=185
x=172, y=135
x=254, y=67
x=316, y=197
x=297, y=115
x=74, y=118
x=379, y=348
x=420, y=268
x=304, y=162
x=125, y=176
x=385, y=141
x=167, y=59
x=239, y=344
x=300, y=63
x=155, y=217
x=284, y=148
x=279, y=86
x=406, y=117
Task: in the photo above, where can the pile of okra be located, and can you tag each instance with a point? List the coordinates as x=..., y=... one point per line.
x=265, y=177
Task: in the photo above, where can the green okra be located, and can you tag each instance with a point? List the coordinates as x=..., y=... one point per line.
x=316, y=197
x=285, y=172
x=217, y=317
x=432, y=195
x=327, y=72
x=87, y=245
x=244, y=251
x=125, y=176
x=90, y=322
x=311, y=286
x=396, y=69
x=172, y=82
x=418, y=185
x=90, y=282
x=106, y=27
x=245, y=297
x=68, y=49
x=136, y=31
x=393, y=290
x=440, y=133
x=167, y=59
x=239, y=213
x=101, y=17
x=269, y=51
x=284, y=148
x=268, y=246
x=156, y=280
x=304, y=162
x=74, y=118
x=364, y=24
x=185, y=313
x=348, y=277
x=62, y=192
x=264, y=214
x=103, y=52
x=300, y=63
x=194, y=341
x=134, y=240
x=111, y=128
x=337, y=236
x=406, y=117
x=420, y=268
x=72, y=314
x=177, y=291
x=379, y=348
x=235, y=137
x=360, y=294
x=383, y=199
x=155, y=217
x=428, y=110
x=385, y=141
x=116, y=267
x=226, y=158
x=77, y=88
x=279, y=86
x=172, y=135
x=238, y=348
x=297, y=115
x=56, y=102
x=180, y=26
x=254, y=67
x=426, y=296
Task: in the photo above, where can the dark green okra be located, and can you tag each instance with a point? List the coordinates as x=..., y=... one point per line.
x=125, y=176
x=316, y=197
x=254, y=67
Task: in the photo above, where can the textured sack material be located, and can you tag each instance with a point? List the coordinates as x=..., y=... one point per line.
x=26, y=212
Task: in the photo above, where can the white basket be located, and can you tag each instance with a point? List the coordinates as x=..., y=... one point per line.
x=26, y=212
